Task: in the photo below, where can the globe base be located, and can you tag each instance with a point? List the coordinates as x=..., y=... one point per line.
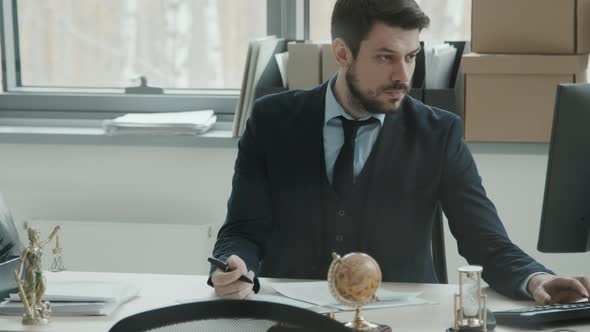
x=361, y=324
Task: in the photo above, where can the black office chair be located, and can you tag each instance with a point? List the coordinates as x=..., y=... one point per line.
x=438, y=247
x=229, y=316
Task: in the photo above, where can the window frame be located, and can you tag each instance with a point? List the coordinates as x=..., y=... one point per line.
x=285, y=18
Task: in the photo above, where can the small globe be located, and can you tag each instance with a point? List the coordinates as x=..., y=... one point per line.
x=354, y=278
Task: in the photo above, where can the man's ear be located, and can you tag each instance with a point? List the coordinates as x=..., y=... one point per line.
x=342, y=53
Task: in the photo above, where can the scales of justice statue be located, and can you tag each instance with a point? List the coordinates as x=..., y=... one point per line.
x=32, y=287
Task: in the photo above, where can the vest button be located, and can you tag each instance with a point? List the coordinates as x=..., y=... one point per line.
x=341, y=213
x=339, y=238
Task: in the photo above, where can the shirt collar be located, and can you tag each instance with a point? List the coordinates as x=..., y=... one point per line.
x=334, y=109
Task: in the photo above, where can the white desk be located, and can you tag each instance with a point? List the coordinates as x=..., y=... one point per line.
x=164, y=290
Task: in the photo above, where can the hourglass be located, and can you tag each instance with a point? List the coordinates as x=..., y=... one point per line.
x=470, y=304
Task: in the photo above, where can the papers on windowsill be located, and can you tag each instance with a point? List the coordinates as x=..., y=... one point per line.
x=171, y=123
x=77, y=298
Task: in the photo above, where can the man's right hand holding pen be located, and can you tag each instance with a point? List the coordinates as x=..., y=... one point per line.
x=227, y=285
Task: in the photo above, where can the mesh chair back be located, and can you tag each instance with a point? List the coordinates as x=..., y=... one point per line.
x=438, y=247
x=229, y=316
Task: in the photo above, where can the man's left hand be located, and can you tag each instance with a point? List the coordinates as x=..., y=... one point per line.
x=550, y=289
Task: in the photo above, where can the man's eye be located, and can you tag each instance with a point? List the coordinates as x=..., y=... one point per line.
x=385, y=58
x=411, y=57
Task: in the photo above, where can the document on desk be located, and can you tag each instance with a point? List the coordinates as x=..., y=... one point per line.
x=318, y=293
x=86, y=291
x=78, y=298
x=64, y=309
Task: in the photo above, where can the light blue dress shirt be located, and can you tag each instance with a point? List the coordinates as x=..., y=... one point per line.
x=334, y=134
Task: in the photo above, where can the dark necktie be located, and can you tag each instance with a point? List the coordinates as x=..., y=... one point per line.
x=343, y=180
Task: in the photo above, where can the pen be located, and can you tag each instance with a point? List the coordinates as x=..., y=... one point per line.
x=225, y=268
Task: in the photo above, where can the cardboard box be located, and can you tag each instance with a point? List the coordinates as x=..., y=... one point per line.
x=304, y=65
x=511, y=98
x=329, y=64
x=531, y=26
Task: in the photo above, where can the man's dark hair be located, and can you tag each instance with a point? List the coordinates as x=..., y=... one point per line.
x=352, y=20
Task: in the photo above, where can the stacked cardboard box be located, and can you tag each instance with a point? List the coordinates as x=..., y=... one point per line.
x=523, y=49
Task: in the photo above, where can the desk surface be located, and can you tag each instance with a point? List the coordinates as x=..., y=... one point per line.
x=164, y=290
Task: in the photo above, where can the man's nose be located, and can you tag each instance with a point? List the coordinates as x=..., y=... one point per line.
x=402, y=73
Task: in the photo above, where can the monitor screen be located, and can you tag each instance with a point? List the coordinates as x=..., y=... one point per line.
x=565, y=220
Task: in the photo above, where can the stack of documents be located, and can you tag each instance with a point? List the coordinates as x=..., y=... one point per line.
x=172, y=123
x=439, y=61
x=77, y=298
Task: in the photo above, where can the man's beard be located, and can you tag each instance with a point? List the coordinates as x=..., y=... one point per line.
x=361, y=101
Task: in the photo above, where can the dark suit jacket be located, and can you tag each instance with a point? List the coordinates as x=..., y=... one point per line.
x=275, y=214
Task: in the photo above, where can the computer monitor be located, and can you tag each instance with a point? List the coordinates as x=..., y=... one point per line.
x=565, y=220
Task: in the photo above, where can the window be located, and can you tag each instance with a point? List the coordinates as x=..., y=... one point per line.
x=450, y=20
x=176, y=44
x=320, y=15
x=77, y=56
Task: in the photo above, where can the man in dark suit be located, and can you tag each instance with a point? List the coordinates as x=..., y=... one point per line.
x=357, y=165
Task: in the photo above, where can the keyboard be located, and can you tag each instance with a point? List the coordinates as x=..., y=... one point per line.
x=543, y=314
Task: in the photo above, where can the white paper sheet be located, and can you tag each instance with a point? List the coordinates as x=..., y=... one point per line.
x=318, y=293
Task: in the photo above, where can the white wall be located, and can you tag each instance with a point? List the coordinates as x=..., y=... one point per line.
x=122, y=208
x=164, y=200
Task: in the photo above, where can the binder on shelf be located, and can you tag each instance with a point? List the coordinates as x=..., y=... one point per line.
x=240, y=105
x=304, y=66
x=450, y=98
x=261, y=71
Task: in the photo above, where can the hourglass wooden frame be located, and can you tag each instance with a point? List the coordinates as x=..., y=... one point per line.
x=462, y=322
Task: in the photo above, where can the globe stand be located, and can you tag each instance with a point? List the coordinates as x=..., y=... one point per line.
x=360, y=323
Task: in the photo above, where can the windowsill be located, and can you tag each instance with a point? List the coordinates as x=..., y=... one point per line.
x=90, y=132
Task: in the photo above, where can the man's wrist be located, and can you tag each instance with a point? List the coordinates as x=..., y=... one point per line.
x=536, y=280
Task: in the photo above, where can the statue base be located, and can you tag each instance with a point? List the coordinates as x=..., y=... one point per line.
x=27, y=320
